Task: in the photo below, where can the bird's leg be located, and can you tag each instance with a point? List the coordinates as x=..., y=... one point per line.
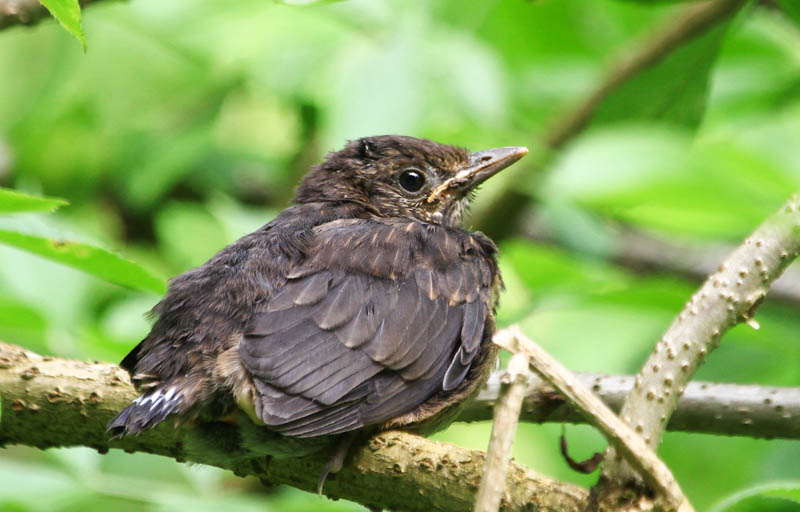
x=337, y=461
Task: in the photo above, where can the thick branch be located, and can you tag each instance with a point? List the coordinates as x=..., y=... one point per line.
x=502, y=217
x=705, y=407
x=729, y=296
x=51, y=402
x=55, y=402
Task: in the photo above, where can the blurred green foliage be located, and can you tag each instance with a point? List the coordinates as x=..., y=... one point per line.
x=187, y=125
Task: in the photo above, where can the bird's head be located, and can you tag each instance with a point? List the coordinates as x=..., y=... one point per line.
x=397, y=176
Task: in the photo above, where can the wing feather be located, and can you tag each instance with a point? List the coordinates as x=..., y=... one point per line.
x=427, y=314
x=313, y=289
x=439, y=347
x=351, y=342
x=338, y=307
x=392, y=335
x=361, y=328
x=472, y=326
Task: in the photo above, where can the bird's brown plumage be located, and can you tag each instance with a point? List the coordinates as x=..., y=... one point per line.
x=365, y=304
x=385, y=314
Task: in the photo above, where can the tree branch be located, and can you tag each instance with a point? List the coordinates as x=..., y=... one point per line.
x=502, y=216
x=621, y=436
x=729, y=296
x=641, y=252
x=705, y=407
x=506, y=416
x=687, y=25
x=48, y=402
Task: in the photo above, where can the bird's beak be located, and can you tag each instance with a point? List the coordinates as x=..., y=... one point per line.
x=482, y=166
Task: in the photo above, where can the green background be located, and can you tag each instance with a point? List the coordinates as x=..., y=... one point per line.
x=187, y=124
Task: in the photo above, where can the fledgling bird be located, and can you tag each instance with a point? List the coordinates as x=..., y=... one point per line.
x=363, y=305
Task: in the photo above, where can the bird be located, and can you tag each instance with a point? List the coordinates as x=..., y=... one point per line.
x=364, y=306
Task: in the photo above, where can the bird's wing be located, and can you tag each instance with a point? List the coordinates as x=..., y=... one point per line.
x=381, y=317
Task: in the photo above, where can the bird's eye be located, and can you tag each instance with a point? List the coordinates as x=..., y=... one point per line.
x=411, y=180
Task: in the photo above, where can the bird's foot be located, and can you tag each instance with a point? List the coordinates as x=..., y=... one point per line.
x=337, y=460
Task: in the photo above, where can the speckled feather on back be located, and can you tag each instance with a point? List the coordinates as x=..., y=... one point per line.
x=363, y=304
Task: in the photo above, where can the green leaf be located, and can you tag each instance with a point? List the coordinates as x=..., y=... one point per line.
x=752, y=498
x=82, y=256
x=68, y=13
x=12, y=201
x=675, y=89
x=789, y=492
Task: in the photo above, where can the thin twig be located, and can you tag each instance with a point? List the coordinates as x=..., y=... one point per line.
x=502, y=216
x=705, y=407
x=644, y=253
x=620, y=435
x=506, y=416
x=728, y=297
x=689, y=24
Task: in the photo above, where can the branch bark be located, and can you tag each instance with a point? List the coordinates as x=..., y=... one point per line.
x=621, y=436
x=705, y=407
x=48, y=402
x=728, y=297
x=502, y=216
x=506, y=416
x=55, y=402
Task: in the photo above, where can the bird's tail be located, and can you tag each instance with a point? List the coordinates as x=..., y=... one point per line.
x=147, y=411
